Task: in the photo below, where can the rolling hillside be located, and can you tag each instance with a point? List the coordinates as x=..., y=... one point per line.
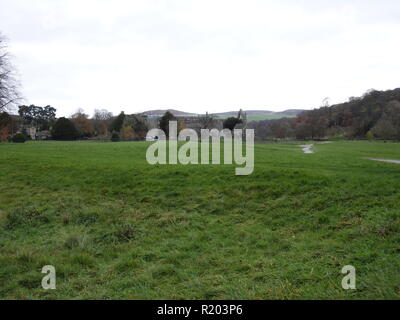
x=258, y=115
x=176, y=113
x=252, y=115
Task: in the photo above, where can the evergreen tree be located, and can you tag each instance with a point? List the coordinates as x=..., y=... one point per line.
x=64, y=129
x=118, y=122
x=164, y=122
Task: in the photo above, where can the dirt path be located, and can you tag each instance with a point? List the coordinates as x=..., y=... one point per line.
x=307, y=148
x=385, y=160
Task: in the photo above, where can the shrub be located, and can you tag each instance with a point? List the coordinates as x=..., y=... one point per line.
x=127, y=133
x=115, y=137
x=369, y=135
x=18, y=138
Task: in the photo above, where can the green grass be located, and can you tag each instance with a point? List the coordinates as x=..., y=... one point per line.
x=116, y=227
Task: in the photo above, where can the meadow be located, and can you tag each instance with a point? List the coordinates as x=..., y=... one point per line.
x=115, y=227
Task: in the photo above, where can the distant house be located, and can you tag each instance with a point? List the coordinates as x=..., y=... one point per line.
x=43, y=135
x=30, y=132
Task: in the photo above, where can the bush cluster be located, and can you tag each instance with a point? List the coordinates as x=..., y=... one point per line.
x=19, y=138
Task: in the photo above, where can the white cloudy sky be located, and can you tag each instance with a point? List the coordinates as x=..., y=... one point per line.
x=205, y=55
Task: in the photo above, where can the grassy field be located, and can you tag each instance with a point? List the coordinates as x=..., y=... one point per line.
x=116, y=227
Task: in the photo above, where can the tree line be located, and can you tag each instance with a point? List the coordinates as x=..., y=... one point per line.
x=103, y=125
x=376, y=114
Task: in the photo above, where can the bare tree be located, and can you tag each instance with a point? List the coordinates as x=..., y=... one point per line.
x=206, y=121
x=9, y=93
x=82, y=123
x=102, y=121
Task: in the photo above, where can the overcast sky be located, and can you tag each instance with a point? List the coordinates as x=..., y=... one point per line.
x=205, y=55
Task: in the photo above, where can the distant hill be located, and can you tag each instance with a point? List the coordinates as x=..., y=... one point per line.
x=259, y=115
x=252, y=115
x=176, y=113
x=292, y=111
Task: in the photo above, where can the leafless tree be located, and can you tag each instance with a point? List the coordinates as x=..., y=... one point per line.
x=82, y=123
x=9, y=93
x=206, y=121
x=102, y=121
